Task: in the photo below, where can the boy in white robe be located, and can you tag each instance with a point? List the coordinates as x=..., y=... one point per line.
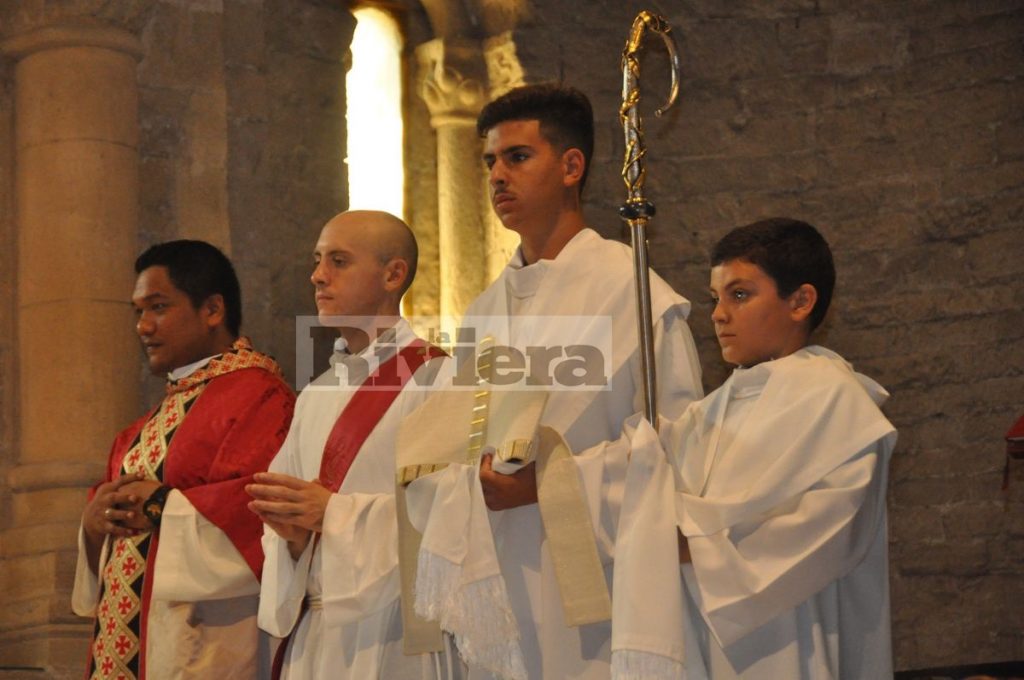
x=778, y=479
x=538, y=143
x=330, y=578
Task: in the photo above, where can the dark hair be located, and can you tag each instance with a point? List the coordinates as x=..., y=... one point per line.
x=199, y=270
x=564, y=113
x=791, y=252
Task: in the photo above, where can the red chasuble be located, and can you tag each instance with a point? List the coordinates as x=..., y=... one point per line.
x=212, y=431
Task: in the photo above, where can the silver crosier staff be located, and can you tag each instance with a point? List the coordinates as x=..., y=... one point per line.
x=637, y=210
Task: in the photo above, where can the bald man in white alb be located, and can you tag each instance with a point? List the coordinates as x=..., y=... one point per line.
x=330, y=579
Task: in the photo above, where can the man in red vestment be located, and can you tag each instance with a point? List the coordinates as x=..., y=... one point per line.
x=169, y=559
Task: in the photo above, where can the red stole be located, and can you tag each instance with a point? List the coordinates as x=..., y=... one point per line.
x=366, y=408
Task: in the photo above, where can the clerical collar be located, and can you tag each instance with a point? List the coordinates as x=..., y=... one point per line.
x=354, y=368
x=187, y=370
x=387, y=337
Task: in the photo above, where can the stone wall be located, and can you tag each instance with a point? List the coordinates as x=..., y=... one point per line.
x=898, y=129
x=242, y=113
x=8, y=261
x=421, y=193
x=8, y=328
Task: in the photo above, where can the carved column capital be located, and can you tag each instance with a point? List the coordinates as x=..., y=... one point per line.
x=504, y=72
x=451, y=82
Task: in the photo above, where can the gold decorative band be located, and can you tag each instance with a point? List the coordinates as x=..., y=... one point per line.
x=519, y=451
x=410, y=473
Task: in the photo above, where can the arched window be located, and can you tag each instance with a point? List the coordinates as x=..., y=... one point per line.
x=376, y=177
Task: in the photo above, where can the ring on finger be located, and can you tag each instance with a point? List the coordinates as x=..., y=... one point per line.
x=106, y=513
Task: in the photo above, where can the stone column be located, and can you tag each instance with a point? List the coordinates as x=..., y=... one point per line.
x=76, y=195
x=451, y=82
x=504, y=72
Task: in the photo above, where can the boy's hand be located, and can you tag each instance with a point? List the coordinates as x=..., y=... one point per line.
x=684, y=548
x=502, y=492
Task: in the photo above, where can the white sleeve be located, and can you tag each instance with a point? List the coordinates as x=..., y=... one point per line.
x=85, y=595
x=283, y=584
x=750, y=573
x=603, y=467
x=359, y=553
x=602, y=471
x=195, y=559
x=676, y=364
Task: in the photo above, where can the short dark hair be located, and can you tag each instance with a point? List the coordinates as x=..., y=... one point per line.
x=791, y=252
x=564, y=113
x=199, y=270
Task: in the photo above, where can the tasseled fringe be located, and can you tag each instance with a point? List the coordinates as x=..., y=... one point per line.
x=478, y=614
x=485, y=630
x=628, y=664
x=437, y=579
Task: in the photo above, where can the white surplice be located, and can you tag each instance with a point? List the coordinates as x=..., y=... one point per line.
x=779, y=481
x=591, y=276
x=352, y=627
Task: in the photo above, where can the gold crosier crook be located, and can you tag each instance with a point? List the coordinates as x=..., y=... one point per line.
x=637, y=210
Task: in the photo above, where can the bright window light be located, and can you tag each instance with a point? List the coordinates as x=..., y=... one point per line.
x=376, y=179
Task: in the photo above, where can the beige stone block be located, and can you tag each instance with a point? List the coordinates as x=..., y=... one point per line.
x=46, y=506
x=201, y=177
x=18, y=652
x=245, y=42
x=24, y=613
x=58, y=650
x=66, y=646
x=41, y=538
x=77, y=215
x=79, y=370
x=76, y=93
x=61, y=474
x=28, y=577
x=461, y=237
x=501, y=242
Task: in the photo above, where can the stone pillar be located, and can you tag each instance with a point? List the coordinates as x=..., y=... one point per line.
x=76, y=195
x=504, y=72
x=451, y=83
